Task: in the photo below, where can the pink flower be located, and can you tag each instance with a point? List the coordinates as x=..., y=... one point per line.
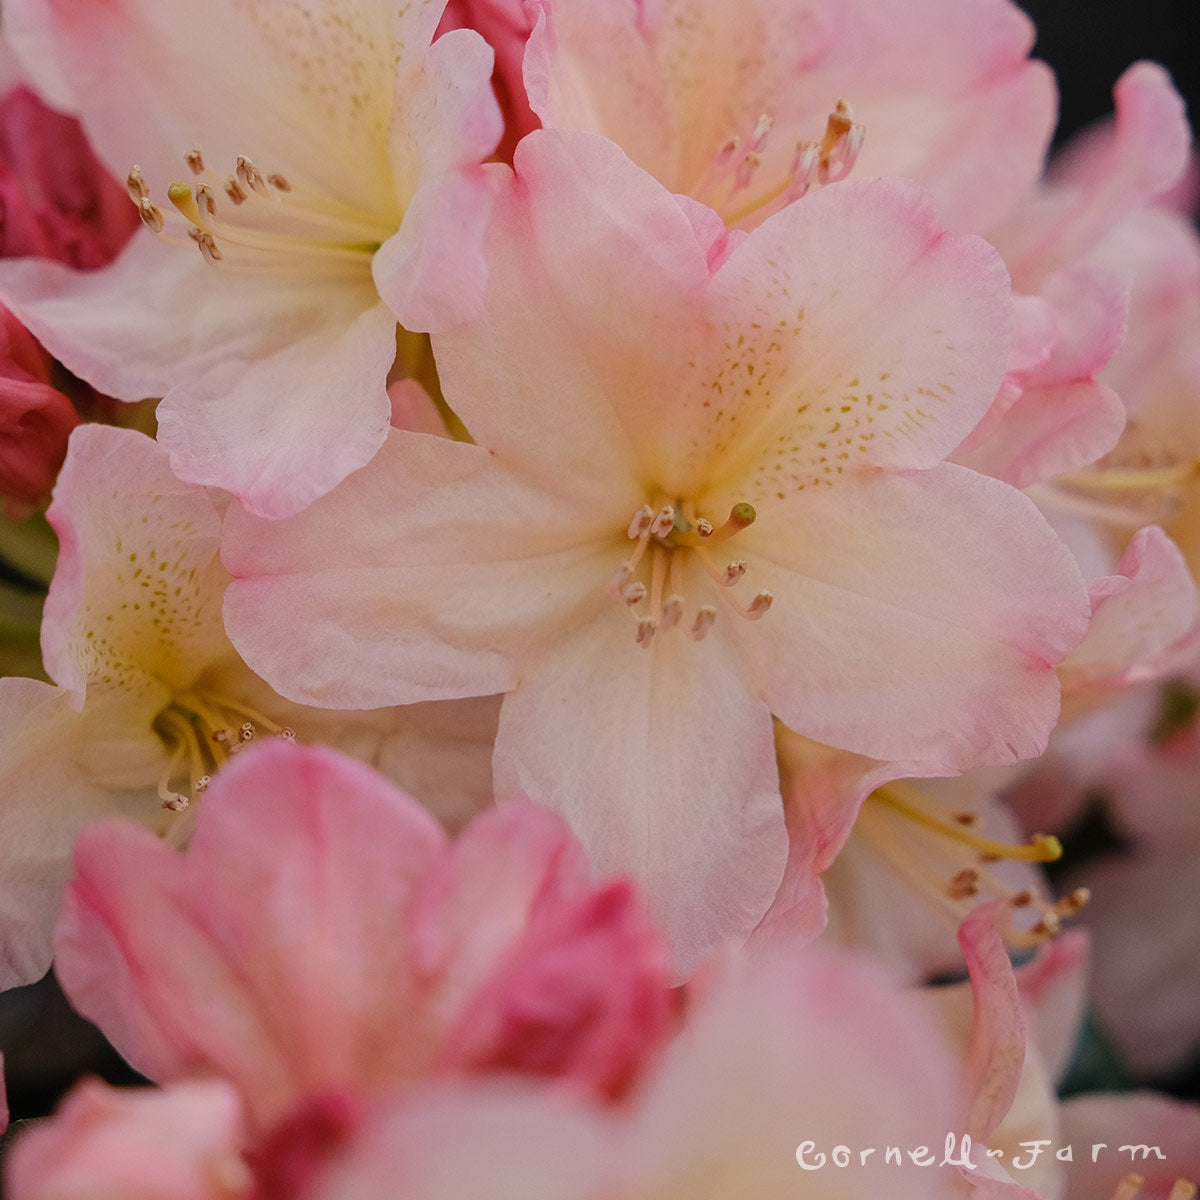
x=330, y=189
x=729, y=101
x=505, y=25
x=56, y=199
x=650, y=427
x=35, y=420
x=320, y=932
x=151, y=697
x=179, y=1144
x=776, y=1066
x=1072, y=248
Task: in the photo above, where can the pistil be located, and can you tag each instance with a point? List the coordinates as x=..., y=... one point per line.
x=955, y=832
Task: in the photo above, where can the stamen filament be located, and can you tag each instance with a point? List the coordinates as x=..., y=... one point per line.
x=241, y=709
x=658, y=574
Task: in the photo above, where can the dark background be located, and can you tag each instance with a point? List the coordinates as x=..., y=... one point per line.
x=1090, y=42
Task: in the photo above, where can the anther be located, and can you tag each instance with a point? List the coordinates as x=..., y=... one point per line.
x=195, y=160
x=963, y=885
x=745, y=170
x=279, y=182
x=1068, y=906
x=758, y=138
x=620, y=581
x=205, y=199
x=759, y=605
x=634, y=592
x=672, y=612
x=967, y=818
x=1022, y=899
x=175, y=802
x=733, y=572
x=286, y=734
x=208, y=246
x=202, y=782
x=663, y=522
x=1129, y=1187
x=805, y=166
x=136, y=184
x=246, y=733
x=248, y=176
x=1048, y=926
x=841, y=144
x=704, y=621
x=1183, y=1189
x=642, y=520
x=645, y=631
x=704, y=528
x=151, y=215
x=235, y=191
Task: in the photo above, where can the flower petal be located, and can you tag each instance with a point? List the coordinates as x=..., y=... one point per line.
x=664, y=764
x=421, y=577
x=899, y=632
x=856, y=333
x=257, y=955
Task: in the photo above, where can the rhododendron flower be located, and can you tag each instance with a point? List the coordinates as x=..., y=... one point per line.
x=321, y=932
x=903, y=862
x=1072, y=247
x=151, y=696
x=35, y=419
x=181, y=1143
x=775, y=1068
x=701, y=495
x=56, y=199
x=506, y=26
x=736, y=102
x=332, y=188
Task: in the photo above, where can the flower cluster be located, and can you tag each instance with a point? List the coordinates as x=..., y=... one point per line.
x=603, y=546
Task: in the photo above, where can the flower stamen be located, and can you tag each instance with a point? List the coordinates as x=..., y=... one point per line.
x=266, y=224
x=732, y=170
x=667, y=531
x=974, y=878
x=199, y=726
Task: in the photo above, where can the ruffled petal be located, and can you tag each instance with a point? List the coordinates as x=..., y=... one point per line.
x=856, y=333
x=280, y=430
x=899, y=632
x=424, y=576
x=134, y=607
x=663, y=761
x=251, y=956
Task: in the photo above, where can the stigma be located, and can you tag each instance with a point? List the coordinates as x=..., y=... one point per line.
x=665, y=536
x=252, y=219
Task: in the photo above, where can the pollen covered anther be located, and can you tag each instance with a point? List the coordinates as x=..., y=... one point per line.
x=759, y=606
x=136, y=184
x=152, y=216
x=705, y=618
